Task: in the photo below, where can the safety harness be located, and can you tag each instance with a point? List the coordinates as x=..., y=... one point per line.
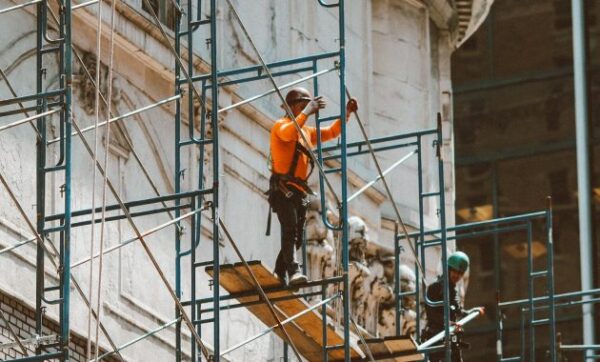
x=280, y=181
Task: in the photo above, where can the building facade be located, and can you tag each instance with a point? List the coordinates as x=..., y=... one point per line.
x=515, y=145
x=398, y=66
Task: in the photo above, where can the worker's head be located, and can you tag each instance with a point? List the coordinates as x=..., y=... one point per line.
x=458, y=264
x=297, y=99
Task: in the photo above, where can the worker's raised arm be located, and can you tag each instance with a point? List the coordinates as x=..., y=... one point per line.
x=288, y=131
x=335, y=128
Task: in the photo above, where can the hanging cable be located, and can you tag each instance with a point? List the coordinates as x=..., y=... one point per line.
x=54, y=252
x=104, y=179
x=94, y=173
x=389, y=193
x=145, y=246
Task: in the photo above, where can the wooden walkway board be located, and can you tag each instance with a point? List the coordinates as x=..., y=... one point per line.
x=397, y=349
x=306, y=331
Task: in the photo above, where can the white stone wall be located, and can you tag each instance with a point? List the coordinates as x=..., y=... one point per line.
x=397, y=66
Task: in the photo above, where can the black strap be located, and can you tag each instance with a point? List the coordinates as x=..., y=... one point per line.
x=300, y=149
x=269, y=222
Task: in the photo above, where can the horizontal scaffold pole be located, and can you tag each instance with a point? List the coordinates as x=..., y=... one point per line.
x=126, y=115
x=438, y=337
x=284, y=322
x=28, y=119
x=82, y=5
x=35, y=340
x=379, y=177
x=21, y=243
x=271, y=91
x=486, y=223
x=130, y=204
x=134, y=341
x=2, y=11
x=260, y=68
x=144, y=234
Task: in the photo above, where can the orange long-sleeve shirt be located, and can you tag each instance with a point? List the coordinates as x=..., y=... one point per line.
x=283, y=143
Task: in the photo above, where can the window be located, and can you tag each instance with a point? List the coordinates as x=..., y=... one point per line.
x=164, y=10
x=559, y=186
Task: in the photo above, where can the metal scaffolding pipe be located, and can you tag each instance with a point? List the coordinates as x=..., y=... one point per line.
x=143, y=234
x=273, y=90
x=438, y=337
x=583, y=164
x=272, y=328
x=152, y=332
x=19, y=6
x=383, y=174
x=579, y=347
x=129, y=114
x=9, y=248
x=28, y=119
x=35, y=340
x=82, y=5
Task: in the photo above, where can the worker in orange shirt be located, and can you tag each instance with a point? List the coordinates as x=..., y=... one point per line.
x=288, y=191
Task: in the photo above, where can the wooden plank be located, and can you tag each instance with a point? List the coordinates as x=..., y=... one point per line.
x=403, y=344
x=311, y=323
x=233, y=283
x=305, y=331
x=385, y=349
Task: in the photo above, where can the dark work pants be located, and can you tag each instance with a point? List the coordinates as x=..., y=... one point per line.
x=456, y=352
x=291, y=213
x=456, y=355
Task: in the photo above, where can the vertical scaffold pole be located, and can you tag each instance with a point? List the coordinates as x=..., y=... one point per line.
x=442, y=214
x=344, y=206
x=40, y=177
x=583, y=166
x=177, y=176
x=550, y=278
x=66, y=262
x=214, y=118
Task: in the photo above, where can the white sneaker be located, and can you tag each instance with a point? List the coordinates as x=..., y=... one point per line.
x=297, y=278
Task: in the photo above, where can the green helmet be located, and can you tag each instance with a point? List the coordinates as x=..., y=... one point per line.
x=459, y=261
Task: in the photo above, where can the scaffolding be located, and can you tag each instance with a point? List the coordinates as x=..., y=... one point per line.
x=248, y=281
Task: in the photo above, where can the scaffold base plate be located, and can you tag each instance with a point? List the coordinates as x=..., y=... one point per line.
x=305, y=331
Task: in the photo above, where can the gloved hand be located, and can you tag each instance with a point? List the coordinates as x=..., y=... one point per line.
x=481, y=310
x=314, y=105
x=351, y=106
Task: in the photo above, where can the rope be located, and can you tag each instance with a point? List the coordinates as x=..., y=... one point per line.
x=389, y=192
x=96, y=121
x=54, y=252
x=149, y=253
x=106, y=153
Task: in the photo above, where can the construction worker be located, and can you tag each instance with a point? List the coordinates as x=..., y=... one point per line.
x=288, y=189
x=458, y=264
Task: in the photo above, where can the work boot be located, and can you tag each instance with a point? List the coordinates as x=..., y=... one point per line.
x=298, y=278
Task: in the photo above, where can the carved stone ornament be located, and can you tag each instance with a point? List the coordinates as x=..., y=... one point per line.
x=87, y=91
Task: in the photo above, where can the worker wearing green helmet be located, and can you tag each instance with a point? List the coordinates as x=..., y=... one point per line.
x=458, y=264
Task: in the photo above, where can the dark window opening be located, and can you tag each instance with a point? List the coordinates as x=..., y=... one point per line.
x=559, y=187
x=164, y=10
